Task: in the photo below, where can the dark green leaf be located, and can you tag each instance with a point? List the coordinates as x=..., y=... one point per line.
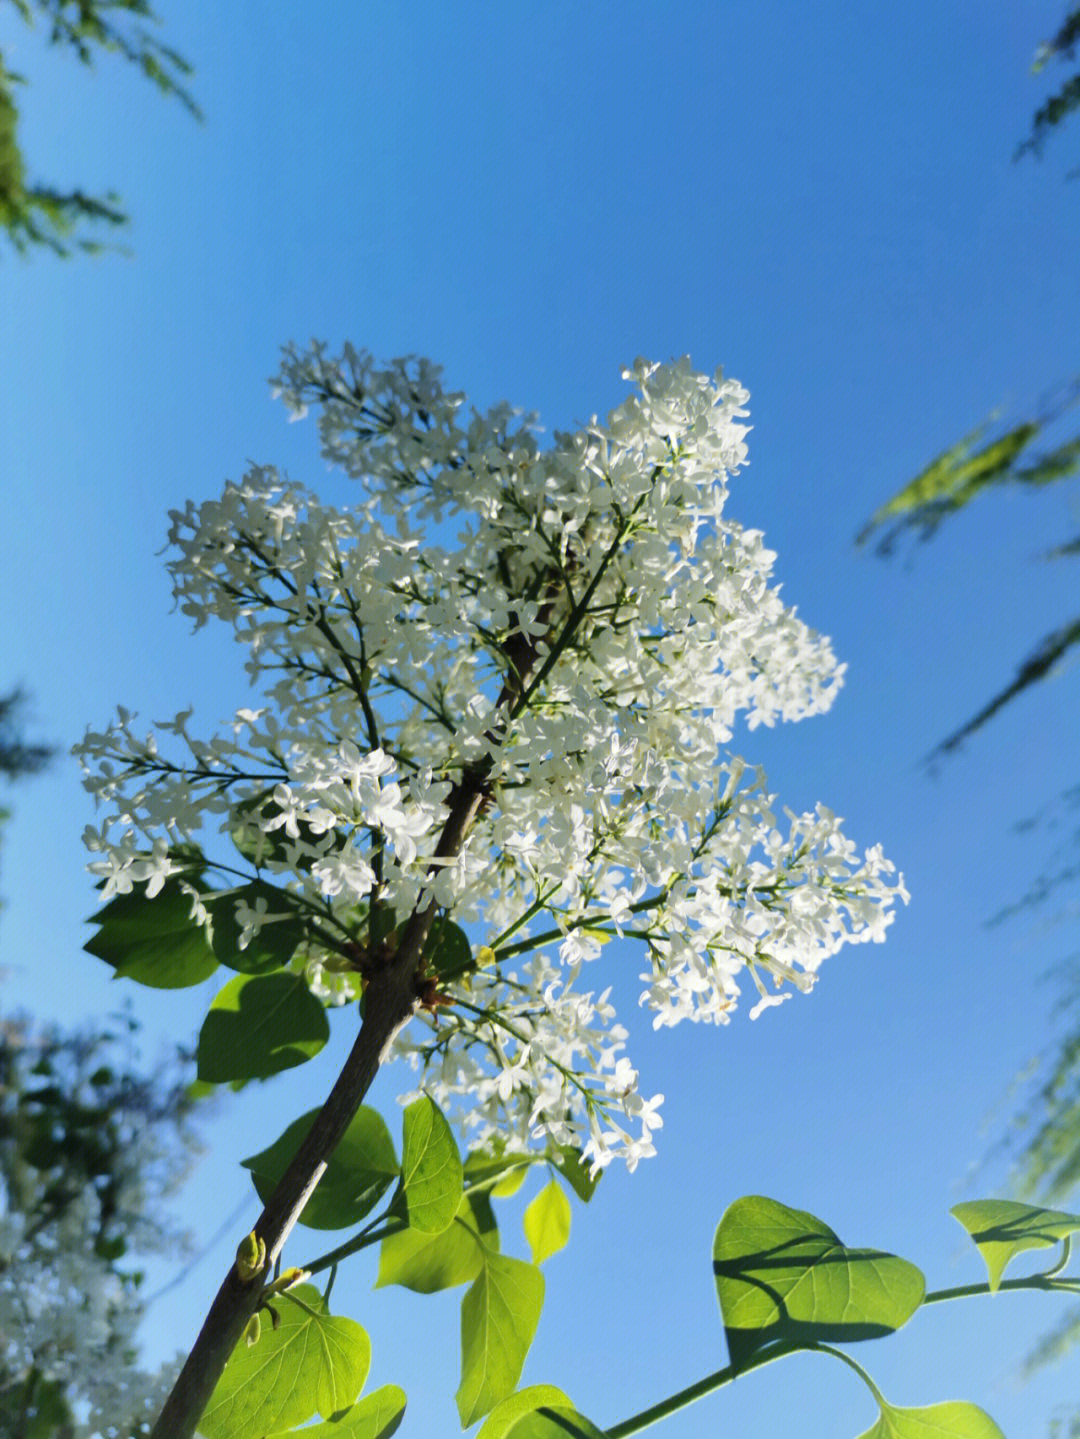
x=429, y=1262
x=153, y=941
x=312, y=1364
x=499, y=1315
x=430, y=1168
x=259, y=1025
x=1002, y=1228
x=274, y=944
x=448, y=950
x=576, y=1172
x=782, y=1275
x=360, y=1170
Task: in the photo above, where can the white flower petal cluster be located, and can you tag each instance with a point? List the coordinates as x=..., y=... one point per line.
x=71, y=1317
x=582, y=627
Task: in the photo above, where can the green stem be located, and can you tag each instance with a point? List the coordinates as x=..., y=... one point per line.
x=859, y=1370
x=693, y=1392
x=1068, y=1285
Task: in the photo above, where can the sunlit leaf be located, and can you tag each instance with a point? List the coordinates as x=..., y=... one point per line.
x=313, y=1363
x=275, y=942
x=547, y=1222
x=1002, y=1228
x=499, y=1315
x=359, y=1172
x=153, y=941
x=431, y=1168
x=376, y=1416
x=509, y=1410
x=954, y=1420
x=576, y=1172
x=554, y=1422
x=429, y=1262
x=783, y=1275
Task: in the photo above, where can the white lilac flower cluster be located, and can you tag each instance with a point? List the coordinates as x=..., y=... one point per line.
x=586, y=638
x=67, y=1315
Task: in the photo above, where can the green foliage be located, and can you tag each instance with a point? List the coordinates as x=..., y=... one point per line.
x=547, y=1222
x=499, y=1315
x=78, y=1115
x=509, y=1410
x=949, y=483
x=318, y=1363
x=35, y=1408
x=482, y=1165
x=358, y=1173
x=427, y=1263
x=784, y=1276
x=448, y=950
x=376, y=1417
x=271, y=947
x=431, y=1170
x=575, y=1171
x=955, y=1420
x=554, y=1422
x=153, y=941
x=1002, y=1228
x=18, y=757
x=68, y=221
x=1067, y=98
x=259, y=1025
x=965, y=470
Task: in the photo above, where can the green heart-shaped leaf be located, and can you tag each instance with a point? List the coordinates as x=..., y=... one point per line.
x=430, y=1168
x=375, y=1417
x=429, y=1262
x=955, y=1420
x=1001, y=1228
x=499, y=1315
x=783, y=1275
x=258, y=1025
x=313, y=1363
x=509, y=1410
x=153, y=941
x=359, y=1172
x=547, y=1222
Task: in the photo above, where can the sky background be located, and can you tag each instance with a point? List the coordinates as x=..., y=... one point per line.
x=821, y=200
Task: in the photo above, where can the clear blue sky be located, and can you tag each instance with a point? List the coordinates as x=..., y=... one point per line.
x=821, y=198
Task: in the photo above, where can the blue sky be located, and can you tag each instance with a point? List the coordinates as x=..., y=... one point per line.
x=533, y=195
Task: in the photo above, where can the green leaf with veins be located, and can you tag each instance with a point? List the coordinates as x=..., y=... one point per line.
x=314, y=1363
x=499, y=1315
x=954, y=1420
x=784, y=1276
x=1002, y=1228
x=375, y=1417
x=258, y=1025
x=358, y=1173
x=430, y=1168
x=153, y=941
x=509, y=1410
x=429, y=1262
